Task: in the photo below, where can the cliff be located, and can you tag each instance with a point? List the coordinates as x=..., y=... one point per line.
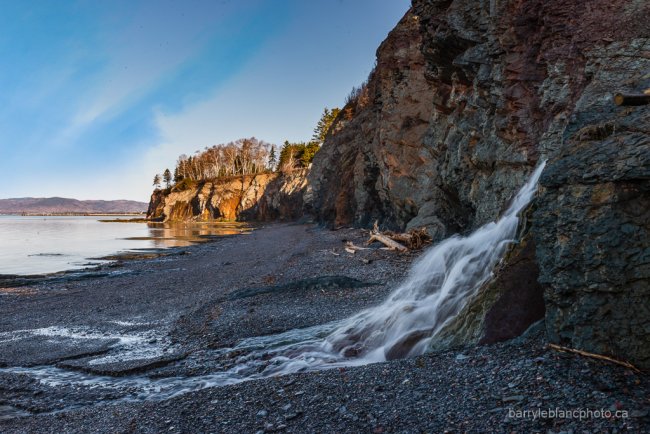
x=466, y=98
x=269, y=196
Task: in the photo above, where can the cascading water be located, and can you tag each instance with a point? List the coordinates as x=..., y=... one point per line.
x=435, y=291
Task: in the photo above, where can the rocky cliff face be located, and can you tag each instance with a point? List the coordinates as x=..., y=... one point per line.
x=593, y=232
x=253, y=197
x=466, y=98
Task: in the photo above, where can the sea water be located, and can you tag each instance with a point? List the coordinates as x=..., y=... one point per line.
x=48, y=244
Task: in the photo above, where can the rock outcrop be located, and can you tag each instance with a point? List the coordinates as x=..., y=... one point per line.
x=503, y=308
x=269, y=196
x=593, y=236
x=466, y=98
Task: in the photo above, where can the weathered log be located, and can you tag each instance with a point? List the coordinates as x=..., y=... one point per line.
x=623, y=99
x=414, y=239
x=391, y=244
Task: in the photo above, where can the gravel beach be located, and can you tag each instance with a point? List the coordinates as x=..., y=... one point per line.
x=135, y=346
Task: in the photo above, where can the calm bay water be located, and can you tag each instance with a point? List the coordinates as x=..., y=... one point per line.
x=47, y=244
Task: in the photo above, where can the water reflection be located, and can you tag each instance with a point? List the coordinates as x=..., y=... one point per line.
x=48, y=244
x=179, y=234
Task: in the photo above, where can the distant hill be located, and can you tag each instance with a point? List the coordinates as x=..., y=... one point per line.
x=61, y=205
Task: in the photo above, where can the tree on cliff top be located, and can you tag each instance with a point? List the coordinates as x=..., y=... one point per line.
x=167, y=177
x=324, y=124
x=247, y=156
x=156, y=181
x=273, y=160
x=296, y=155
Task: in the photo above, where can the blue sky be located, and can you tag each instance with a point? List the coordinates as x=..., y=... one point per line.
x=96, y=96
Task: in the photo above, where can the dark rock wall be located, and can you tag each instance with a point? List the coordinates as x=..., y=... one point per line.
x=374, y=166
x=503, y=308
x=593, y=221
x=466, y=98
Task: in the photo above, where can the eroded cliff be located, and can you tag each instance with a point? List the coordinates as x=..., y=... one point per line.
x=269, y=196
x=466, y=98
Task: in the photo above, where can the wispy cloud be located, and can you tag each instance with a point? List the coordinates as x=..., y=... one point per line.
x=96, y=97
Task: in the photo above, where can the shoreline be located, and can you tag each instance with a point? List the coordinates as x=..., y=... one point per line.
x=178, y=316
x=113, y=260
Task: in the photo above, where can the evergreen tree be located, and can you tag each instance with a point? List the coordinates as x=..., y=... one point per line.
x=296, y=155
x=288, y=156
x=156, y=181
x=167, y=177
x=272, y=159
x=324, y=124
x=308, y=152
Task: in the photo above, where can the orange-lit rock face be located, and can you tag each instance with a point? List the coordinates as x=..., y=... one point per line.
x=253, y=197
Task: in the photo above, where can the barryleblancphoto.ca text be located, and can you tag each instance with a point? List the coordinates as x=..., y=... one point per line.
x=563, y=413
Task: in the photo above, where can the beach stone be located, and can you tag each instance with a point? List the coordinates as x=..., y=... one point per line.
x=513, y=398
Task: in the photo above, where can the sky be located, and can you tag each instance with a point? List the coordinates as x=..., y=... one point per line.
x=97, y=96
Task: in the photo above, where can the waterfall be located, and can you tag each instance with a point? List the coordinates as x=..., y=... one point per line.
x=437, y=288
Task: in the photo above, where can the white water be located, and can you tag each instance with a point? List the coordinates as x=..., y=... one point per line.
x=437, y=288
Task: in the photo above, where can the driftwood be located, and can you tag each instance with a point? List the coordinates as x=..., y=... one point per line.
x=593, y=356
x=350, y=247
x=632, y=99
x=391, y=244
x=414, y=239
x=402, y=242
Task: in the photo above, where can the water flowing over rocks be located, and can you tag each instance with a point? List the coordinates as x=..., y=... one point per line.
x=465, y=99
